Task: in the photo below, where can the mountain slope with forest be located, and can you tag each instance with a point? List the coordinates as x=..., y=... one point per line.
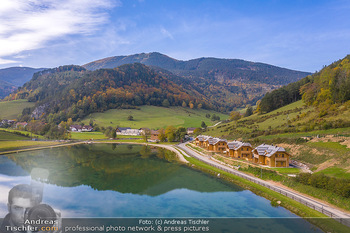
x=221, y=70
x=74, y=92
x=325, y=89
x=233, y=81
x=13, y=77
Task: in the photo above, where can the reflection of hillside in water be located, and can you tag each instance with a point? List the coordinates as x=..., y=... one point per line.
x=124, y=168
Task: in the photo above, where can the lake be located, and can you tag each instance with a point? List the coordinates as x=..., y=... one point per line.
x=120, y=180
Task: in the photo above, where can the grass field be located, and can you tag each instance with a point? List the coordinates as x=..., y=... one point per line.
x=95, y=136
x=5, y=136
x=11, y=109
x=17, y=145
x=308, y=134
x=24, y=132
x=287, y=170
x=88, y=135
x=336, y=172
x=153, y=117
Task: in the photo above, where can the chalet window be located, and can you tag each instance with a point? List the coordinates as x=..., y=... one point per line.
x=282, y=156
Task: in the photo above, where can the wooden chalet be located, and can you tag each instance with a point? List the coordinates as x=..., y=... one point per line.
x=272, y=156
x=220, y=145
x=240, y=150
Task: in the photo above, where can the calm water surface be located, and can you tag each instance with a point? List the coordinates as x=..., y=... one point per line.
x=111, y=180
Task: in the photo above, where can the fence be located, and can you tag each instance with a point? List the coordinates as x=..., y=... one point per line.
x=296, y=197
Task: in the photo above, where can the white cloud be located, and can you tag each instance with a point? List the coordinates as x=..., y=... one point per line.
x=166, y=33
x=30, y=24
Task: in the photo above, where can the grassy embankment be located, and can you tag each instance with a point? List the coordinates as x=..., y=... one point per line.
x=20, y=145
x=11, y=109
x=153, y=117
x=317, y=218
x=293, y=117
x=10, y=141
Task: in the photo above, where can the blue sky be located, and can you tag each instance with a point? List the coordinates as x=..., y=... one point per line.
x=300, y=35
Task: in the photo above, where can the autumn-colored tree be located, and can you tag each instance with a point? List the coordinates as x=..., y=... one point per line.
x=162, y=137
x=235, y=116
x=170, y=133
x=146, y=134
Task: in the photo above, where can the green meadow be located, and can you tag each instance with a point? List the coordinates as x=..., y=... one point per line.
x=11, y=109
x=153, y=117
x=5, y=136
x=95, y=136
x=18, y=145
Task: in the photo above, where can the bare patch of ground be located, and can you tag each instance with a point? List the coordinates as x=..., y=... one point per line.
x=328, y=163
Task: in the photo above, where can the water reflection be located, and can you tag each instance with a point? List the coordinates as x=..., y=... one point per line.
x=124, y=168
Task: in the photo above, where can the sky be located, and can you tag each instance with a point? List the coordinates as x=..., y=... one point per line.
x=302, y=35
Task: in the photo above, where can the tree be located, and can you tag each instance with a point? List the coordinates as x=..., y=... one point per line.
x=162, y=136
x=166, y=103
x=235, y=116
x=249, y=111
x=109, y=132
x=180, y=133
x=69, y=122
x=146, y=134
x=203, y=125
x=207, y=115
x=184, y=104
x=170, y=133
x=215, y=118
x=197, y=131
x=114, y=134
x=130, y=118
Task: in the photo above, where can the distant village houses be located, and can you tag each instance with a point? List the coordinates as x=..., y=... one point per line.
x=79, y=128
x=128, y=131
x=21, y=125
x=75, y=128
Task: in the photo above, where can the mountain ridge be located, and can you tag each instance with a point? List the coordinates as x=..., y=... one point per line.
x=206, y=67
x=13, y=77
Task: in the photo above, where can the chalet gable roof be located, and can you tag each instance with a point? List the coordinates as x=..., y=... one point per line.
x=235, y=145
x=268, y=150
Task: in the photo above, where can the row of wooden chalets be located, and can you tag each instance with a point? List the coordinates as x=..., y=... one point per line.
x=268, y=155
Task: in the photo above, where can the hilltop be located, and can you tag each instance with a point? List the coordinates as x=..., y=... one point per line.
x=213, y=69
x=233, y=81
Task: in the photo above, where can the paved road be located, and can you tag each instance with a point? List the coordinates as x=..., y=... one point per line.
x=340, y=216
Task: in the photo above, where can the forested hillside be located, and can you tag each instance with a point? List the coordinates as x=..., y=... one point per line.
x=208, y=68
x=233, y=81
x=73, y=92
x=11, y=78
x=324, y=89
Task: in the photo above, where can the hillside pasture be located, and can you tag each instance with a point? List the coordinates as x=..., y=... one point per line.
x=11, y=109
x=153, y=117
